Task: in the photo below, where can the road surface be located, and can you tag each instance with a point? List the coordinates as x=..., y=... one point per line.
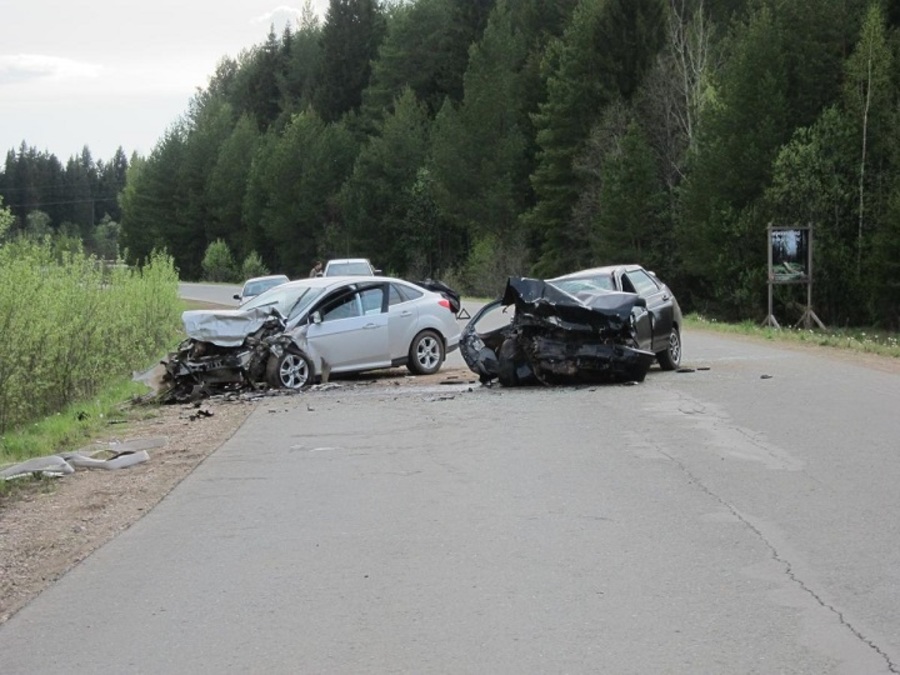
x=740, y=519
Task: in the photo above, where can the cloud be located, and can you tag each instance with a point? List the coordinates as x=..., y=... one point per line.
x=19, y=68
x=280, y=15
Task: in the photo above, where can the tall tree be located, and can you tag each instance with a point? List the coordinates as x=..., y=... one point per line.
x=350, y=38
x=417, y=52
x=376, y=198
x=603, y=55
x=479, y=153
x=227, y=185
x=291, y=190
x=869, y=100
x=719, y=231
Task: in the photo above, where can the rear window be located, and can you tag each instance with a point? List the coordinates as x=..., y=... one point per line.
x=585, y=284
x=356, y=269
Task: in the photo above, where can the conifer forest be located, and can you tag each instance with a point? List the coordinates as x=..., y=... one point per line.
x=468, y=140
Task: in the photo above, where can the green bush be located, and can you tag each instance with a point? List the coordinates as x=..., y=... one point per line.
x=253, y=266
x=70, y=328
x=489, y=264
x=218, y=263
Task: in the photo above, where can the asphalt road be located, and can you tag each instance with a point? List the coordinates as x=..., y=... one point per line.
x=222, y=294
x=741, y=519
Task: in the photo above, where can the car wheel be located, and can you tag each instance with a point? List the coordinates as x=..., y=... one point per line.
x=291, y=370
x=426, y=353
x=671, y=357
x=510, y=356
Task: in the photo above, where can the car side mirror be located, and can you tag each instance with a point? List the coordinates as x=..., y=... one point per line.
x=316, y=318
x=237, y=296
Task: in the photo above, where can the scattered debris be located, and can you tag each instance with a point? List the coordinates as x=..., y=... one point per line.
x=122, y=455
x=765, y=377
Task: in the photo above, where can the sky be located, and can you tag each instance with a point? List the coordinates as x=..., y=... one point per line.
x=111, y=73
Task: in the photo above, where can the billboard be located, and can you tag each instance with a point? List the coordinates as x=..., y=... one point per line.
x=789, y=255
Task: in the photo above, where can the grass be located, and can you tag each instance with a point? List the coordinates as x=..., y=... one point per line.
x=864, y=340
x=74, y=427
x=81, y=422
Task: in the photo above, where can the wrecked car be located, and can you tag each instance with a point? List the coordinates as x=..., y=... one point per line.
x=303, y=331
x=662, y=333
x=539, y=333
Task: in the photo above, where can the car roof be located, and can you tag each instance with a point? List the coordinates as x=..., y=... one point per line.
x=606, y=270
x=266, y=278
x=324, y=282
x=348, y=260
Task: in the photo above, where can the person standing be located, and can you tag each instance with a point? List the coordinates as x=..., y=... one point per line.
x=316, y=270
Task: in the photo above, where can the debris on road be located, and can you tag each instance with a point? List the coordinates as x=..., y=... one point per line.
x=122, y=455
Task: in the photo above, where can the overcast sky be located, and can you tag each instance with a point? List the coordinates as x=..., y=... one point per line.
x=110, y=73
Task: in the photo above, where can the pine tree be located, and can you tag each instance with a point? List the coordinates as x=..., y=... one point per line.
x=603, y=55
x=350, y=38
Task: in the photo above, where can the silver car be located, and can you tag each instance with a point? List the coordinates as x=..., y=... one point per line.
x=256, y=285
x=302, y=331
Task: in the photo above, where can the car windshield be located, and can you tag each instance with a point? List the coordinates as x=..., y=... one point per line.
x=585, y=284
x=257, y=287
x=289, y=299
x=348, y=269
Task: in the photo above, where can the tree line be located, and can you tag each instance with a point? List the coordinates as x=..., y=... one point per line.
x=471, y=139
x=78, y=200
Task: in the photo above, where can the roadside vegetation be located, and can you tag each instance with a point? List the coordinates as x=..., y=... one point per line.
x=74, y=330
x=467, y=141
x=864, y=340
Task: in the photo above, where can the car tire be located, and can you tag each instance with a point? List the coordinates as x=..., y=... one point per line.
x=426, y=353
x=510, y=357
x=291, y=370
x=670, y=359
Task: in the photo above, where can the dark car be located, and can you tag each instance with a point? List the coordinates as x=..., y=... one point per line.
x=662, y=334
x=577, y=328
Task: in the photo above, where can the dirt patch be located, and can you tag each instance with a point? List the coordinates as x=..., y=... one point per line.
x=50, y=525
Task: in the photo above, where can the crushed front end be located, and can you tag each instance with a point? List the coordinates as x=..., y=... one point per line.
x=553, y=337
x=217, y=358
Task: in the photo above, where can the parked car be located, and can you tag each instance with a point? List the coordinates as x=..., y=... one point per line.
x=358, y=267
x=662, y=333
x=256, y=285
x=302, y=331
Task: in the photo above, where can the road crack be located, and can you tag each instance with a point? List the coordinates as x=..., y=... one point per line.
x=786, y=564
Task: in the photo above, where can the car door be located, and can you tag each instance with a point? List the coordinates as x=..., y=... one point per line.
x=351, y=332
x=403, y=317
x=659, y=305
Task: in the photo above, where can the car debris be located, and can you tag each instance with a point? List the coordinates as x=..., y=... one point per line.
x=122, y=455
x=223, y=353
x=553, y=337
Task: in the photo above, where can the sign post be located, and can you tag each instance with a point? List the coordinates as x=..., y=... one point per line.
x=790, y=263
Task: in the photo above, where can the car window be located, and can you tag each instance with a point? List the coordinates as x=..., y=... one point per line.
x=345, y=306
x=587, y=284
x=301, y=304
x=372, y=300
x=642, y=282
x=394, y=296
x=284, y=298
x=407, y=292
x=348, y=269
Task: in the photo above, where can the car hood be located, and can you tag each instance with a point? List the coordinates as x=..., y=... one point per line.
x=224, y=327
x=598, y=311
